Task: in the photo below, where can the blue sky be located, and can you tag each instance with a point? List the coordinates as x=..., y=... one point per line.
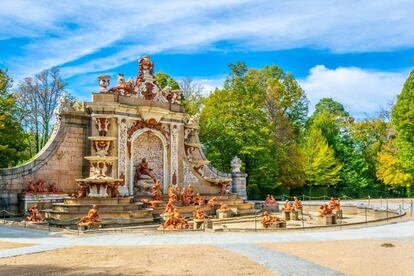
x=357, y=52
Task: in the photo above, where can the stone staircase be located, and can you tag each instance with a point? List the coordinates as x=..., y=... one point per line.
x=132, y=211
x=239, y=205
x=112, y=211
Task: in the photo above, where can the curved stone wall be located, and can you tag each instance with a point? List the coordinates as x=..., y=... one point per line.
x=61, y=161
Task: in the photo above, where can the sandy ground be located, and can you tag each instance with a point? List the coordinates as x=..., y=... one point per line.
x=10, y=245
x=143, y=260
x=355, y=257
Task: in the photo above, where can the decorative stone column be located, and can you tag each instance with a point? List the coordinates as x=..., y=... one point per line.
x=238, y=183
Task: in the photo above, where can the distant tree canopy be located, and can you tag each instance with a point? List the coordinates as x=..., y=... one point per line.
x=37, y=98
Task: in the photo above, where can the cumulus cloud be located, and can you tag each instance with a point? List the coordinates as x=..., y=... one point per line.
x=362, y=92
x=61, y=32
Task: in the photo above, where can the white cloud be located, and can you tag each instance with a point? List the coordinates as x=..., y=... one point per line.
x=64, y=31
x=360, y=91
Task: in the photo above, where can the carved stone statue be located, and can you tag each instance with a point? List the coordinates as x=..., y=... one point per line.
x=324, y=210
x=297, y=203
x=40, y=186
x=223, y=208
x=270, y=200
x=143, y=168
x=83, y=188
x=198, y=200
x=268, y=219
x=123, y=87
x=188, y=196
x=334, y=205
x=92, y=218
x=288, y=206
x=199, y=215
x=175, y=220
x=31, y=187
x=53, y=187
x=169, y=207
x=34, y=215
x=172, y=193
x=212, y=202
x=156, y=190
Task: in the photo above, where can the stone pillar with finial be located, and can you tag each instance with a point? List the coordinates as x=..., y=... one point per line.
x=238, y=183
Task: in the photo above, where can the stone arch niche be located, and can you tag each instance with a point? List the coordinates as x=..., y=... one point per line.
x=152, y=145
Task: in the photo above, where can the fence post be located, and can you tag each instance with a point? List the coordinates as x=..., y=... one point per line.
x=402, y=203
x=255, y=222
x=303, y=197
x=324, y=197
x=411, y=212
x=381, y=201
x=387, y=208
x=366, y=220
x=303, y=221
x=369, y=200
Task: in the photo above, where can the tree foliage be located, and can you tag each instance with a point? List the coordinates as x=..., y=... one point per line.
x=258, y=116
x=321, y=166
x=12, y=137
x=403, y=122
x=37, y=98
x=390, y=169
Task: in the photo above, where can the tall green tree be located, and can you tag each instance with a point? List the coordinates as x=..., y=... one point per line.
x=390, y=169
x=321, y=166
x=12, y=137
x=259, y=116
x=358, y=174
x=403, y=122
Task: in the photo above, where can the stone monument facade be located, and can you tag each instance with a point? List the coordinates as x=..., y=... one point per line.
x=105, y=140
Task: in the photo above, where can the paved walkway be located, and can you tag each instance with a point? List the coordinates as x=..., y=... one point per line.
x=278, y=262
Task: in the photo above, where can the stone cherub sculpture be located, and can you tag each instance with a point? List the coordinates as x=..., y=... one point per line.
x=156, y=190
x=268, y=219
x=92, y=218
x=34, y=215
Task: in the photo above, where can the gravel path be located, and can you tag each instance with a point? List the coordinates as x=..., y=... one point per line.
x=279, y=262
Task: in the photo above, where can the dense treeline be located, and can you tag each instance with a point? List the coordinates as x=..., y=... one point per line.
x=262, y=117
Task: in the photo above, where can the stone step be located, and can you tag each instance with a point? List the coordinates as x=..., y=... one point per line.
x=97, y=200
x=103, y=215
x=62, y=207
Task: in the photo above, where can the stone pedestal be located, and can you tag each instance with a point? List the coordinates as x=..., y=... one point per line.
x=43, y=201
x=294, y=215
x=224, y=215
x=238, y=182
x=98, y=190
x=271, y=208
x=277, y=225
x=199, y=224
x=327, y=220
x=286, y=215
x=144, y=186
x=339, y=214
